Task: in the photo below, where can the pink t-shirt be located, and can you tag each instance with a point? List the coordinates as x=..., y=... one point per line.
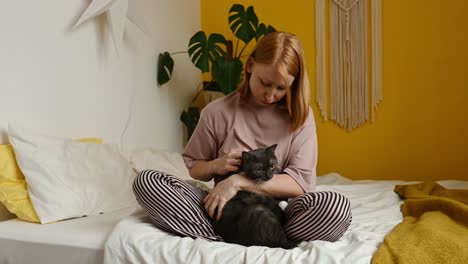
x=231, y=122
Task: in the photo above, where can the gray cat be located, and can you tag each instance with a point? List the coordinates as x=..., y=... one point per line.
x=251, y=219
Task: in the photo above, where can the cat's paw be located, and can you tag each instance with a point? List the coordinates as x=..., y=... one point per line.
x=283, y=205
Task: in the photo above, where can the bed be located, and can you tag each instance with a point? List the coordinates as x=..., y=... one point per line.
x=79, y=240
x=375, y=207
x=67, y=194
x=67, y=179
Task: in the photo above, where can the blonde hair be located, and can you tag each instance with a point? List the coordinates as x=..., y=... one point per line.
x=284, y=50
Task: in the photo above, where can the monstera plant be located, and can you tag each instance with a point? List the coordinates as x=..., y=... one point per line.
x=217, y=55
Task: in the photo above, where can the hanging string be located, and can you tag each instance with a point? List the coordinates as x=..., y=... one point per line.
x=335, y=69
x=320, y=58
x=376, y=16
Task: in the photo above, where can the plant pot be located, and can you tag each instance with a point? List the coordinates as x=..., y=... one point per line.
x=210, y=96
x=190, y=119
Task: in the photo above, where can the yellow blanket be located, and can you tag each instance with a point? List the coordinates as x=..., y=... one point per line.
x=434, y=228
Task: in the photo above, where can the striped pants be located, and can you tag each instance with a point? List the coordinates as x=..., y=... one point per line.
x=176, y=207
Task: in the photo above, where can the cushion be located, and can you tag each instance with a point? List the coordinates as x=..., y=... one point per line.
x=5, y=214
x=160, y=160
x=13, y=188
x=68, y=179
x=164, y=161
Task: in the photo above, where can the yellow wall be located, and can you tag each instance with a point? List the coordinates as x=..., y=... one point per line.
x=421, y=126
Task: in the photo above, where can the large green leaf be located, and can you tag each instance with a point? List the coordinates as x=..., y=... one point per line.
x=204, y=50
x=227, y=73
x=263, y=30
x=243, y=23
x=165, y=67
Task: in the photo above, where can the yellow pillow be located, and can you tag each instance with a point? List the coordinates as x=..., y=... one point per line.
x=5, y=214
x=13, y=187
x=90, y=140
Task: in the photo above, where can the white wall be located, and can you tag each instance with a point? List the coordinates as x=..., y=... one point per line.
x=70, y=82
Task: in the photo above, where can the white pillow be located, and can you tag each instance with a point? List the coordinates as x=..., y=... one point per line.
x=69, y=179
x=164, y=161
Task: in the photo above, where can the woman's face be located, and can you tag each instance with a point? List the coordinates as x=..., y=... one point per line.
x=267, y=85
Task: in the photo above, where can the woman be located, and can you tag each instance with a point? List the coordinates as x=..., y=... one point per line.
x=270, y=107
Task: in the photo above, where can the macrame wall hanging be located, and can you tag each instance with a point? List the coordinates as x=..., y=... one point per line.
x=349, y=86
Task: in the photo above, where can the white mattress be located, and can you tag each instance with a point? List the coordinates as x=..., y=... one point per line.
x=375, y=208
x=79, y=240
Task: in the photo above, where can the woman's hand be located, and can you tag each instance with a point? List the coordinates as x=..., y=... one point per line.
x=227, y=163
x=224, y=191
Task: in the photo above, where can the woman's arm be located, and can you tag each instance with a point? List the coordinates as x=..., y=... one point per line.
x=205, y=170
x=202, y=170
x=280, y=186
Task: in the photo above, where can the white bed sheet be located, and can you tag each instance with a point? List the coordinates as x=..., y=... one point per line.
x=375, y=208
x=79, y=240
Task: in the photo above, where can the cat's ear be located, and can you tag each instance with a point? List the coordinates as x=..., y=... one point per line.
x=272, y=148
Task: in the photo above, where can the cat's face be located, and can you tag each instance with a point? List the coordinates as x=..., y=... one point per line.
x=260, y=164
